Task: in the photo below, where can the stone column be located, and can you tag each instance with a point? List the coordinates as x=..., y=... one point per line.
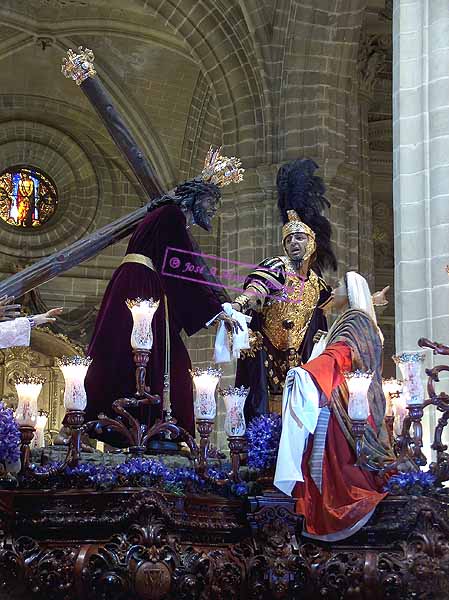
x=371, y=58
x=421, y=171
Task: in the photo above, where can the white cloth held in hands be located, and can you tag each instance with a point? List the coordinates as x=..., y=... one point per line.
x=240, y=339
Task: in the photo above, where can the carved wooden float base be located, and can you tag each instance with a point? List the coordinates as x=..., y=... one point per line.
x=148, y=545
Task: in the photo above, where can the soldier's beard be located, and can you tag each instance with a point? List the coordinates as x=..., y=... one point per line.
x=297, y=262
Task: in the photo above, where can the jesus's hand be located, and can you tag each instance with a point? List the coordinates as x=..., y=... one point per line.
x=231, y=324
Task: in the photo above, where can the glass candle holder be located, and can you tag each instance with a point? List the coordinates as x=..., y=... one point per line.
x=28, y=388
x=74, y=369
x=41, y=424
x=410, y=364
x=358, y=384
x=400, y=411
x=391, y=388
x=234, y=399
x=142, y=312
x=205, y=382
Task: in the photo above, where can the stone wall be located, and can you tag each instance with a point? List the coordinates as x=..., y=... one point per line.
x=421, y=179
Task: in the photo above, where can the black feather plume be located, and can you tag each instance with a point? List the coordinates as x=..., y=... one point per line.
x=300, y=190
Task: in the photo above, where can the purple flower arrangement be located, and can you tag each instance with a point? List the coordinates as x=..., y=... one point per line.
x=9, y=436
x=414, y=484
x=263, y=437
x=136, y=472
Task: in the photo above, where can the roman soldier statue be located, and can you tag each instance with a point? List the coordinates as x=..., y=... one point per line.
x=286, y=295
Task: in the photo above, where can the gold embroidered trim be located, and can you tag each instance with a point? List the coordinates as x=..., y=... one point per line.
x=140, y=259
x=294, y=306
x=255, y=344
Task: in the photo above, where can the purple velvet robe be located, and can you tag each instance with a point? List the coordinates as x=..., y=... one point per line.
x=190, y=305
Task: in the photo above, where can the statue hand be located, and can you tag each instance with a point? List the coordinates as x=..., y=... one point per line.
x=8, y=311
x=231, y=324
x=318, y=335
x=48, y=317
x=380, y=298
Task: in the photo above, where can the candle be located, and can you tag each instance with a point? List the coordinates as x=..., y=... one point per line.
x=358, y=384
x=74, y=369
x=41, y=424
x=28, y=389
x=142, y=312
x=400, y=411
x=205, y=382
x=410, y=364
x=391, y=388
x=234, y=399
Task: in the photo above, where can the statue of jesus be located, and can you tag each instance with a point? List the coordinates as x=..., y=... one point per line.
x=184, y=305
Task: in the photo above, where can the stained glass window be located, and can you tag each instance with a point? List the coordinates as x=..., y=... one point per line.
x=28, y=197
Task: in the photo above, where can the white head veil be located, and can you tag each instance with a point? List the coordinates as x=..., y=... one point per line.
x=359, y=295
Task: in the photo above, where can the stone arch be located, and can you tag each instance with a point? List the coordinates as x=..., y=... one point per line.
x=145, y=134
x=317, y=86
x=49, y=149
x=268, y=24
x=110, y=187
x=202, y=129
x=74, y=123
x=59, y=33
x=222, y=45
x=93, y=26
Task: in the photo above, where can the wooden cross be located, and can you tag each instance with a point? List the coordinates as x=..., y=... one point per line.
x=79, y=67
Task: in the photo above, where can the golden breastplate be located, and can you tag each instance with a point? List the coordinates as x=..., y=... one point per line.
x=296, y=305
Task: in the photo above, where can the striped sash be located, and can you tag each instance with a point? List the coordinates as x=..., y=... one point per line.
x=319, y=442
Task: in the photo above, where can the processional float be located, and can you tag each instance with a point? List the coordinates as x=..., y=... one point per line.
x=150, y=544
x=79, y=67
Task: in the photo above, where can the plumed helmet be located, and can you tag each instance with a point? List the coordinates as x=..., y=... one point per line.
x=299, y=189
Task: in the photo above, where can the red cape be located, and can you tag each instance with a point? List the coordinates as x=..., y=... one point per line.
x=349, y=493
